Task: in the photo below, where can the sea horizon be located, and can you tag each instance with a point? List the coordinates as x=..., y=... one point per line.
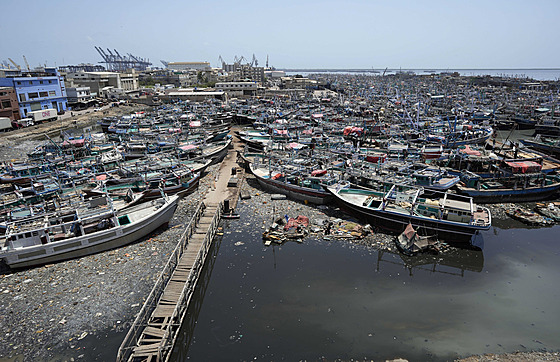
x=544, y=74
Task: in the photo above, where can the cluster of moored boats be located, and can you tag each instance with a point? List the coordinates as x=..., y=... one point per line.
x=94, y=192
x=424, y=154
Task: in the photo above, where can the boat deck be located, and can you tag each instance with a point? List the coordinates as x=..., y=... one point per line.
x=481, y=215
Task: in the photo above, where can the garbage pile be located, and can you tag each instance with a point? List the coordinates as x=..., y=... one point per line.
x=293, y=229
x=289, y=228
x=528, y=217
x=343, y=229
x=550, y=210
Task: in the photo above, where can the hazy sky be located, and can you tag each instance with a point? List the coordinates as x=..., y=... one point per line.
x=442, y=34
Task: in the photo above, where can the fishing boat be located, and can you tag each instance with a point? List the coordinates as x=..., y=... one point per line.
x=522, y=182
x=90, y=228
x=306, y=188
x=549, y=145
x=442, y=213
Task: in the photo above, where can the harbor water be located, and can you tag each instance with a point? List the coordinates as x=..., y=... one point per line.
x=335, y=299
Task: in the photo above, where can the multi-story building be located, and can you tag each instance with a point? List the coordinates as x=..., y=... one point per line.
x=38, y=90
x=8, y=103
x=97, y=81
x=79, y=97
x=238, y=88
x=255, y=74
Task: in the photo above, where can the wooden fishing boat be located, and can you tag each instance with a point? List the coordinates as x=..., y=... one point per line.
x=441, y=213
x=550, y=145
x=91, y=228
x=300, y=187
x=515, y=187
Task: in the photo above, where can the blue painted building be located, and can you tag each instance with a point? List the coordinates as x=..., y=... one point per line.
x=38, y=90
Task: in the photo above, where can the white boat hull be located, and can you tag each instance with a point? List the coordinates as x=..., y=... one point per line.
x=91, y=243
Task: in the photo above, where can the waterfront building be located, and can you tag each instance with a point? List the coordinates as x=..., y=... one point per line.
x=237, y=88
x=299, y=83
x=9, y=106
x=188, y=65
x=275, y=74
x=36, y=90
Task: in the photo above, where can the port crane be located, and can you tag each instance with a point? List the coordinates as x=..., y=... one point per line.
x=26, y=64
x=14, y=63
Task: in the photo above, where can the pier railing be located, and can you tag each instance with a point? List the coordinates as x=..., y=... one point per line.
x=141, y=321
x=189, y=288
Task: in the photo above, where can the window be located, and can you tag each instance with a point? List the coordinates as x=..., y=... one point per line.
x=43, y=94
x=6, y=104
x=18, y=83
x=33, y=95
x=52, y=94
x=50, y=81
x=30, y=82
x=22, y=97
x=40, y=82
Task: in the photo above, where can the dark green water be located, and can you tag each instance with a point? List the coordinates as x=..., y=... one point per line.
x=333, y=299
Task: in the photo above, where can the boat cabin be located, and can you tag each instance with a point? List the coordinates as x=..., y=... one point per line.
x=92, y=216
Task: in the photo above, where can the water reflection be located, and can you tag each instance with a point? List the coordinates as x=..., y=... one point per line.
x=456, y=260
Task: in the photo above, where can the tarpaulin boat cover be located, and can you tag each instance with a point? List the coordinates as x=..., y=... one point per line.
x=469, y=151
x=349, y=130
x=376, y=157
x=409, y=232
x=188, y=147
x=77, y=142
x=524, y=166
x=318, y=172
x=300, y=221
x=295, y=145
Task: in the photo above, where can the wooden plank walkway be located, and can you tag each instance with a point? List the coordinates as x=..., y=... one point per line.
x=157, y=329
x=153, y=334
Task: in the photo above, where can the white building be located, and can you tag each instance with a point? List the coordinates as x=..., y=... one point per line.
x=189, y=65
x=97, y=81
x=78, y=94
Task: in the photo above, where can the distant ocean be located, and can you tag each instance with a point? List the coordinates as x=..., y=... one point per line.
x=536, y=73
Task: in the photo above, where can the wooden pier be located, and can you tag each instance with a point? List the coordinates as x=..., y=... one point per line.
x=154, y=332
